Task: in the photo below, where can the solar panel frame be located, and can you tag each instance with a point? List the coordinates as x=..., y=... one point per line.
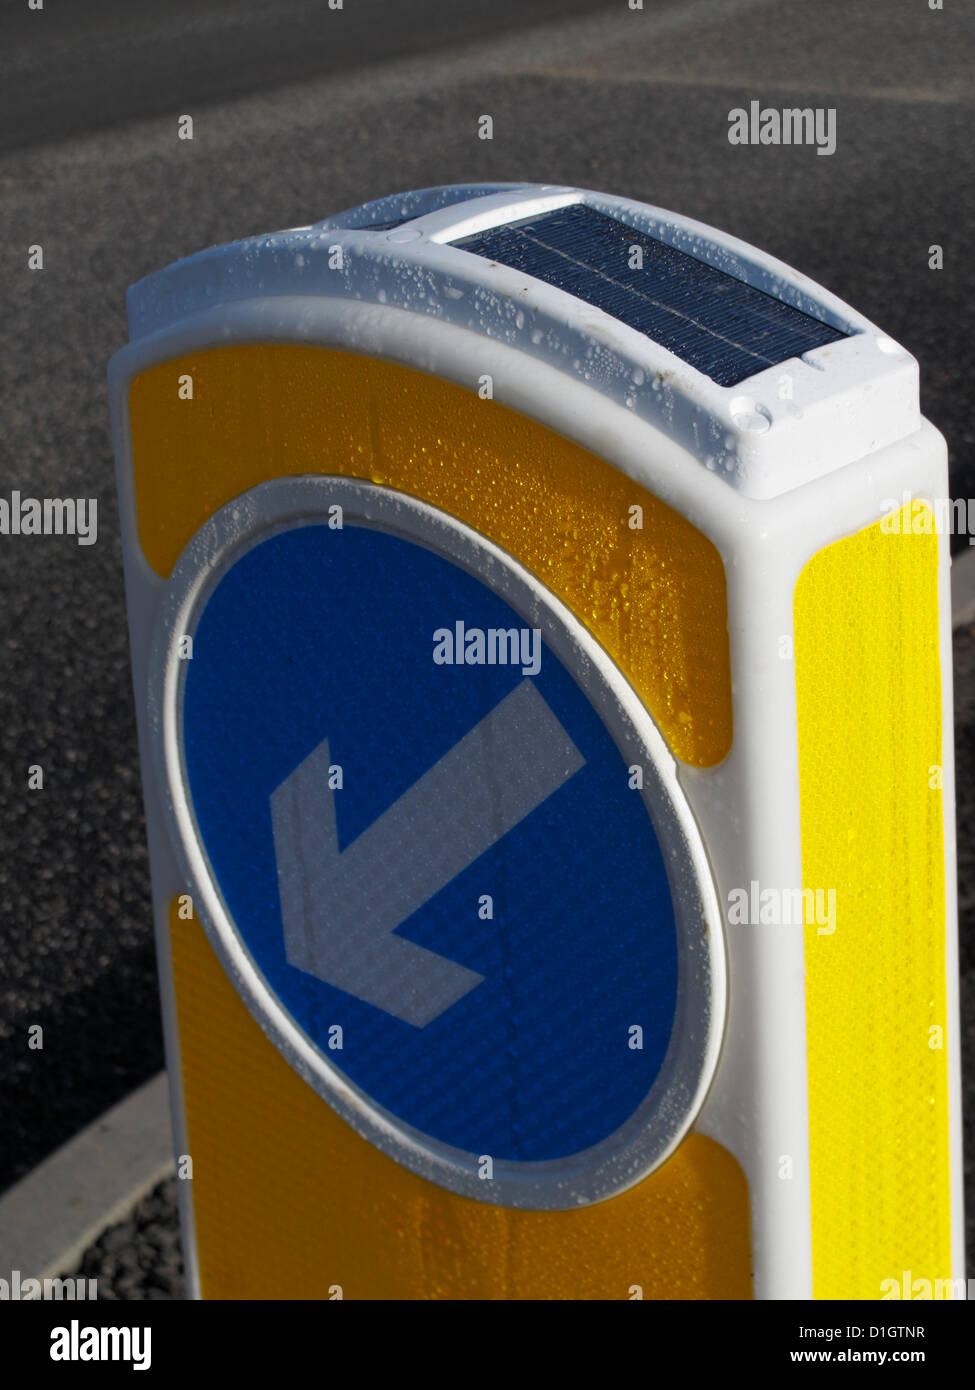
x=713, y=321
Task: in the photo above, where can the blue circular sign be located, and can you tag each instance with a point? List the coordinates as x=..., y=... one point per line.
x=429, y=842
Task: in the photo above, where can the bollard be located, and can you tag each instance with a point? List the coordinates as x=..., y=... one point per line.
x=541, y=644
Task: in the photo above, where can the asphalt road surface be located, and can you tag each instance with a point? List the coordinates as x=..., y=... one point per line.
x=293, y=121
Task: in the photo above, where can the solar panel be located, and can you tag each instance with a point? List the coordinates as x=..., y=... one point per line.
x=711, y=320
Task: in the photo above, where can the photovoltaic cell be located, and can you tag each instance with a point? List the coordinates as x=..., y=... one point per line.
x=714, y=322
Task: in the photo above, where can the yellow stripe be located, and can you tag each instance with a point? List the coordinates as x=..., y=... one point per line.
x=655, y=598
x=290, y=1201
x=868, y=684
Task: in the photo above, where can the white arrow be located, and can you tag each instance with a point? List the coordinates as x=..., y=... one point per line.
x=340, y=910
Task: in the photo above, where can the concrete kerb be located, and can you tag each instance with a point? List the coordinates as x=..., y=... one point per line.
x=50, y=1217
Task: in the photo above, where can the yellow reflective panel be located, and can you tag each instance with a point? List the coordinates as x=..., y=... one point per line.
x=653, y=595
x=290, y=1202
x=868, y=682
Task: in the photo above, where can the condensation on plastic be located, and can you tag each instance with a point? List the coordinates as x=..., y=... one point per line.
x=655, y=597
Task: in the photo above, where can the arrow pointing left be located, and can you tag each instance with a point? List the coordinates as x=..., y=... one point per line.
x=341, y=910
